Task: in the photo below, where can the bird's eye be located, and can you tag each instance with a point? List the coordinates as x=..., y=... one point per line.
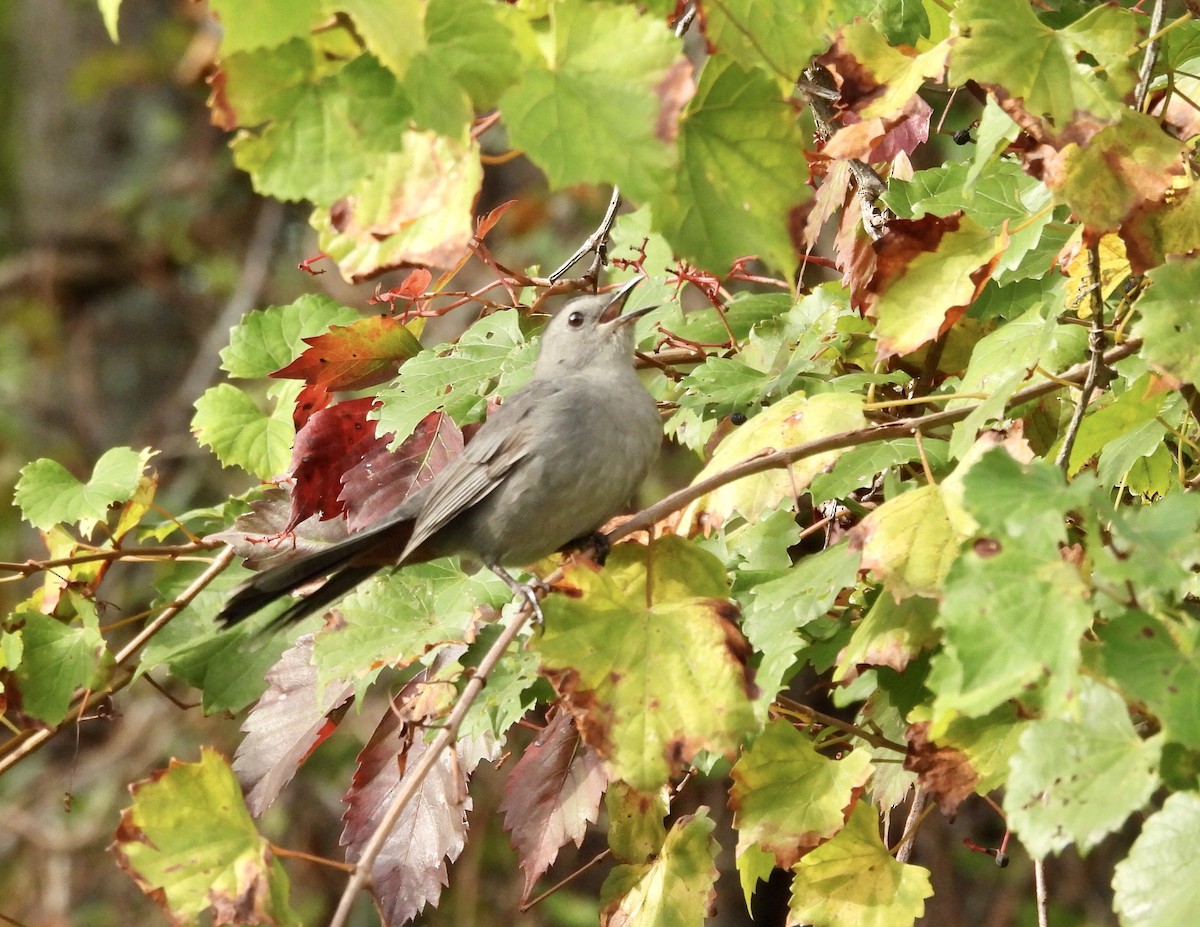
x=575, y=319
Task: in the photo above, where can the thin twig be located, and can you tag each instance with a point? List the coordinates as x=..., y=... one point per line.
x=166, y=552
x=1150, y=58
x=908, y=840
x=1095, y=364
x=220, y=562
x=685, y=20
x=26, y=743
x=811, y=714
x=597, y=241
x=567, y=880
x=773, y=460
x=1039, y=881
x=415, y=776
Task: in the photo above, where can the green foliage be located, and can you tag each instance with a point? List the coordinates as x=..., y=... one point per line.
x=48, y=495
x=189, y=840
x=993, y=573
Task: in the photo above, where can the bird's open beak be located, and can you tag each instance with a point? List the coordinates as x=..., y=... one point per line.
x=612, y=312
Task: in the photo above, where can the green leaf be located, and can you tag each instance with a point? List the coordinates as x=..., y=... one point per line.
x=904, y=22
x=653, y=654
x=227, y=665
x=1158, y=884
x=858, y=466
x=740, y=172
x=270, y=339
x=780, y=608
x=1001, y=193
x=897, y=76
x=853, y=881
x=1170, y=318
x=787, y=798
x=56, y=659
x=754, y=865
x=308, y=134
x=474, y=42
x=48, y=495
x=779, y=36
x=590, y=115
x=1002, y=44
x=636, y=828
x=677, y=888
x=1027, y=503
x=513, y=687
x=891, y=634
x=909, y=542
x=395, y=620
x=250, y=26
x=988, y=742
x=1075, y=780
x=914, y=307
x=229, y=422
x=1156, y=663
x=189, y=843
x=795, y=419
x=1120, y=169
x=110, y=11
x=455, y=379
x=1120, y=433
x=1012, y=620
x=1153, y=549
x=999, y=367
x=393, y=31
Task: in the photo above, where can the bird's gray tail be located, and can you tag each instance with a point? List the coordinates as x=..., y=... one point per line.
x=266, y=587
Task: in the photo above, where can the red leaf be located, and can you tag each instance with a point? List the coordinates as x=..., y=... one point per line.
x=382, y=479
x=354, y=356
x=288, y=722
x=486, y=223
x=329, y=445
x=414, y=286
x=553, y=793
x=312, y=399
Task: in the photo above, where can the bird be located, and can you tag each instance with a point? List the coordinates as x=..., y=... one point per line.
x=547, y=468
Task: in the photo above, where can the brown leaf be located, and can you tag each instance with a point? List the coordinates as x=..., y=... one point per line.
x=552, y=794
x=288, y=722
x=410, y=872
x=943, y=772
x=261, y=536
x=674, y=91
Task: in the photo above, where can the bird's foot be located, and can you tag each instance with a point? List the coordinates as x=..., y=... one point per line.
x=529, y=593
x=594, y=546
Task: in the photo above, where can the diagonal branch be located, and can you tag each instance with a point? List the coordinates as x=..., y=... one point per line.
x=597, y=241
x=28, y=741
x=772, y=460
x=416, y=775
x=1151, y=57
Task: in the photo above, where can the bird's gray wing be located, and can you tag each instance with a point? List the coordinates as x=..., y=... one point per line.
x=502, y=442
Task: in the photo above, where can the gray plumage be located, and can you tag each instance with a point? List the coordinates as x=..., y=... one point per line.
x=549, y=466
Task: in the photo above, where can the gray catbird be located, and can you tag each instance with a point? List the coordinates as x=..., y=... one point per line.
x=548, y=467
